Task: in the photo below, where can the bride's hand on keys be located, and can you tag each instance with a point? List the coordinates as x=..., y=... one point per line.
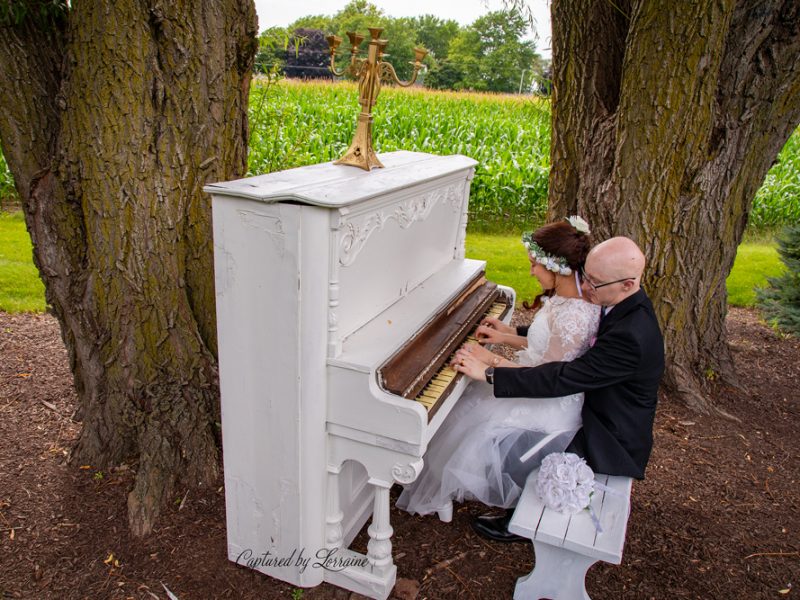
x=466, y=362
x=498, y=325
x=493, y=331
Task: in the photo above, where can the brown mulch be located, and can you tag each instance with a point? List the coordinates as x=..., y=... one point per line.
x=717, y=517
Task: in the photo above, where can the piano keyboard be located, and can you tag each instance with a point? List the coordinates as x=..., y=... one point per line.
x=445, y=378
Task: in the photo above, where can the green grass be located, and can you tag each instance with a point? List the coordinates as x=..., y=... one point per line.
x=506, y=262
x=508, y=265
x=754, y=263
x=21, y=290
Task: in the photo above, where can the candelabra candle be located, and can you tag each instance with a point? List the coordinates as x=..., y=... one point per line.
x=369, y=71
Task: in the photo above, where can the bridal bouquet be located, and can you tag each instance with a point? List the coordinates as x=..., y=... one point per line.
x=565, y=482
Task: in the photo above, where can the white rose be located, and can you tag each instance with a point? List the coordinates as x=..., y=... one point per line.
x=565, y=475
x=551, y=460
x=584, y=474
x=555, y=498
x=573, y=506
x=546, y=470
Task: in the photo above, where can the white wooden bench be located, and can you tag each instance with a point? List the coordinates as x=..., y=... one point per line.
x=565, y=546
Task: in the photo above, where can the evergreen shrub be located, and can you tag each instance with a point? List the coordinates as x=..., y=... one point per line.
x=780, y=300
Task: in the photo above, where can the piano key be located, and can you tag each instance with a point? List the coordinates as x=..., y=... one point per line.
x=442, y=380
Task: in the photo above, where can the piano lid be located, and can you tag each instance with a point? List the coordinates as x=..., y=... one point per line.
x=335, y=186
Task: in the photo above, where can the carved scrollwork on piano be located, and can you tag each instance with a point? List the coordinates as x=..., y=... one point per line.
x=413, y=210
x=406, y=473
x=455, y=198
x=406, y=213
x=356, y=235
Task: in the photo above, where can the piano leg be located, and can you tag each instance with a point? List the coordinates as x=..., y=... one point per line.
x=372, y=575
x=334, y=516
x=379, y=547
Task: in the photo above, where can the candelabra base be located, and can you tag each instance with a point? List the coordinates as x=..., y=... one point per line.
x=360, y=153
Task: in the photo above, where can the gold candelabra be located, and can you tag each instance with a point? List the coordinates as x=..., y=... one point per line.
x=368, y=71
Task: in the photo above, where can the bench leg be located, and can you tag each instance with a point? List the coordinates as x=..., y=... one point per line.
x=557, y=574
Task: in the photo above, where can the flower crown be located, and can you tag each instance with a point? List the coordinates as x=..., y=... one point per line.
x=579, y=224
x=551, y=262
x=556, y=264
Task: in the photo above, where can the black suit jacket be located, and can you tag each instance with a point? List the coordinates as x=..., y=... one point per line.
x=619, y=376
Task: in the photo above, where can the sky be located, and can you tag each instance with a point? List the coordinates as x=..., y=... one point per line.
x=272, y=13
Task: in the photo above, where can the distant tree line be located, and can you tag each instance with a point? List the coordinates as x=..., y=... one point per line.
x=488, y=55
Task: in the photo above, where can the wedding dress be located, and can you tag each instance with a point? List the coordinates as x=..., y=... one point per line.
x=482, y=451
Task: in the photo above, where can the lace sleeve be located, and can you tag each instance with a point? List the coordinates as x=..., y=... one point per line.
x=571, y=330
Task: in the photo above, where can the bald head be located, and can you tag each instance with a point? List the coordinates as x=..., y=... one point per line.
x=618, y=258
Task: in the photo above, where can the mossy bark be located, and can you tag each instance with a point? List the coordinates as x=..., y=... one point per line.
x=114, y=116
x=666, y=118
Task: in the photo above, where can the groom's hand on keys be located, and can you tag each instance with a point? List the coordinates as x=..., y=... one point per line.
x=479, y=352
x=466, y=362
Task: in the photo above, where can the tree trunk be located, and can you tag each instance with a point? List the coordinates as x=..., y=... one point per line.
x=666, y=119
x=115, y=114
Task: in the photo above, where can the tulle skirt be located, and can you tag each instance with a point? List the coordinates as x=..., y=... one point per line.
x=482, y=451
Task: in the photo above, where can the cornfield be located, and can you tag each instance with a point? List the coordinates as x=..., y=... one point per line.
x=777, y=202
x=294, y=124
x=8, y=194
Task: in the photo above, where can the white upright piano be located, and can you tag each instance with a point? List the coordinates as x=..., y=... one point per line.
x=340, y=296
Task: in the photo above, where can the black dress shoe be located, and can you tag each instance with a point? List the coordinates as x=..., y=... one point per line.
x=496, y=528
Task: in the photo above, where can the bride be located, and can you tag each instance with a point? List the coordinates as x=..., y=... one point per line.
x=487, y=446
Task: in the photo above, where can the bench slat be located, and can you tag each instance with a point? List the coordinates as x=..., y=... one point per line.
x=528, y=511
x=552, y=527
x=581, y=534
x=614, y=520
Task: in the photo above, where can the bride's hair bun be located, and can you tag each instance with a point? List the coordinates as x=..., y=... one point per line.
x=562, y=238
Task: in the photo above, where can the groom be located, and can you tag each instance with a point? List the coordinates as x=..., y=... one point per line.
x=619, y=374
